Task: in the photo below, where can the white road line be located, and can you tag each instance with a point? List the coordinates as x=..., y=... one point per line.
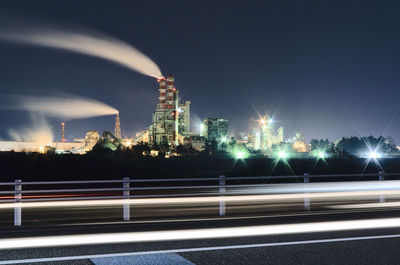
x=185, y=250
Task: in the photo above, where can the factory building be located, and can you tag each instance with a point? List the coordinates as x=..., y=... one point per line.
x=299, y=143
x=90, y=140
x=195, y=140
x=215, y=129
x=78, y=146
x=29, y=147
x=171, y=118
x=184, y=117
x=263, y=135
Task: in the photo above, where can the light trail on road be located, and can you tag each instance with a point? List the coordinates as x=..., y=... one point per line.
x=199, y=200
x=195, y=234
x=338, y=191
x=367, y=205
x=50, y=196
x=186, y=250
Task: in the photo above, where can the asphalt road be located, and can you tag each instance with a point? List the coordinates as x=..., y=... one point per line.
x=333, y=229
x=355, y=246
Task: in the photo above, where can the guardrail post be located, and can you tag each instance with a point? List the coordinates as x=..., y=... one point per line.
x=127, y=210
x=381, y=178
x=17, y=204
x=306, y=198
x=222, y=192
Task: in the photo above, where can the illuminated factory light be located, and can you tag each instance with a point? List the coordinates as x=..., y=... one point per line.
x=128, y=143
x=224, y=139
x=321, y=154
x=282, y=154
x=271, y=120
x=41, y=149
x=373, y=155
x=202, y=128
x=240, y=154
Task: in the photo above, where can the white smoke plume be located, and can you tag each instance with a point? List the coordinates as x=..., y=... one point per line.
x=40, y=132
x=65, y=107
x=89, y=43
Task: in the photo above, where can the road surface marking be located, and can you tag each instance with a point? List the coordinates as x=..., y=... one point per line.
x=150, y=259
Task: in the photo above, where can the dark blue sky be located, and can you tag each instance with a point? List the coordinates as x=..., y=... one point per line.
x=322, y=67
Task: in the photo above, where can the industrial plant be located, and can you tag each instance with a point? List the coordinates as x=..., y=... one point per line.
x=170, y=128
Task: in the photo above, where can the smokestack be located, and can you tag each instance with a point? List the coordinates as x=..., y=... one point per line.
x=176, y=111
x=170, y=92
x=63, y=132
x=162, y=88
x=117, y=130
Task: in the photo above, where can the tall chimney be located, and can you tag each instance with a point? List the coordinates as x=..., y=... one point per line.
x=63, y=132
x=176, y=116
x=163, y=93
x=117, y=130
x=170, y=92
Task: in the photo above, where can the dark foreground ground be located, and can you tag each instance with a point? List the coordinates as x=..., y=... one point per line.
x=36, y=166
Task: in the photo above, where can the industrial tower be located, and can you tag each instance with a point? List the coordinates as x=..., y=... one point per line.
x=171, y=118
x=63, y=132
x=117, y=129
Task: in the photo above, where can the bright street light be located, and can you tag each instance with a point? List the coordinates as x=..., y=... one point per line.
x=373, y=155
x=282, y=154
x=240, y=155
x=321, y=154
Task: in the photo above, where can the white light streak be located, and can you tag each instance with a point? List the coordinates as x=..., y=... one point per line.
x=199, y=200
x=246, y=231
x=367, y=205
x=270, y=193
x=186, y=250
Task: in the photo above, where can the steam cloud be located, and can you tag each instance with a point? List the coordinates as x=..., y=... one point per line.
x=41, y=107
x=92, y=44
x=66, y=107
x=40, y=132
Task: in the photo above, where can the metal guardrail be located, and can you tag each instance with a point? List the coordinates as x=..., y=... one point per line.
x=127, y=188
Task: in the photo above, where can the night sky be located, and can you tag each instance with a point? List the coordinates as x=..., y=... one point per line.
x=327, y=68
